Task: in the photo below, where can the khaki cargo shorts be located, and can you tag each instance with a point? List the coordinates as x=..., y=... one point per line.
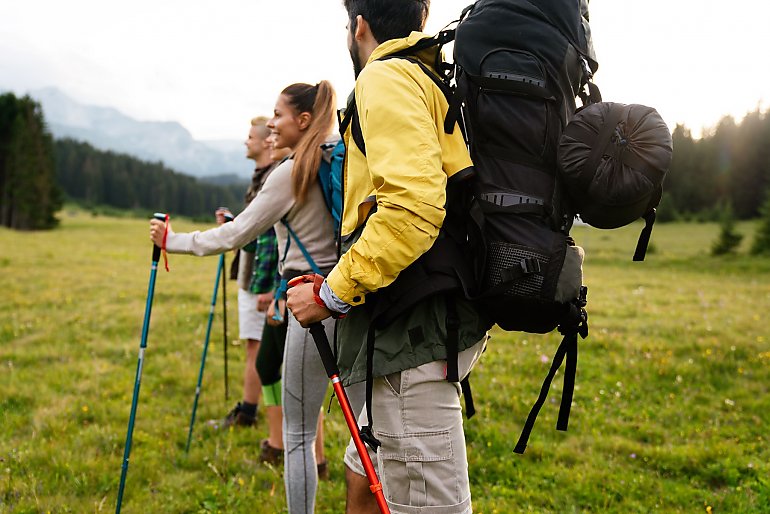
x=422, y=462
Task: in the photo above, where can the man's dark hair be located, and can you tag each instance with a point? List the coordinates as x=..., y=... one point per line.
x=389, y=19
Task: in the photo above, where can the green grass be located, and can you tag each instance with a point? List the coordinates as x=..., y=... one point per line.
x=670, y=413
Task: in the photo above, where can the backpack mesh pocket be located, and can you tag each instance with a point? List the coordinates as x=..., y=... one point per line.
x=502, y=257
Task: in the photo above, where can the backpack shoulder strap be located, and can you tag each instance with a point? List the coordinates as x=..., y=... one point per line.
x=351, y=119
x=305, y=253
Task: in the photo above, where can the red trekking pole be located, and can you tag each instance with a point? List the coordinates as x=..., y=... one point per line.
x=333, y=372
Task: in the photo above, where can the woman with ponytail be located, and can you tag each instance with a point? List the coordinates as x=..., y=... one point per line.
x=304, y=119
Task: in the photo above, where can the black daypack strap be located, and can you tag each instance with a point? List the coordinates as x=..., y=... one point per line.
x=465, y=386
x=569, y=349
x=443, y=86
x=452, y=340
x=644, y=237
x=351, y=119
x=367, y=432
x=453, y=355
x=456, y=103
x=594, y=96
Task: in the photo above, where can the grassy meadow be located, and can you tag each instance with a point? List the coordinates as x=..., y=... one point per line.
x=671, y=410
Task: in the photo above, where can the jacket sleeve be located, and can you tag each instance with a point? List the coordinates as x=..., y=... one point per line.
x=272, y=202
x=404, y=160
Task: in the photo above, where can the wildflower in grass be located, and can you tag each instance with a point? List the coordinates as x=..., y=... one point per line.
x=85, y=408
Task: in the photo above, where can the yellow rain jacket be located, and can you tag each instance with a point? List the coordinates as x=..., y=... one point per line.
x=409, y=157
x=404, y=175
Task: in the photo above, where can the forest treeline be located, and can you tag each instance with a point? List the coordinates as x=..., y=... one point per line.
x=727, y=168
x=95, y=177
x=37, y=173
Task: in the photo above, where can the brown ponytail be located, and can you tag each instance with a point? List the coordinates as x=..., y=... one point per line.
x=320, y=101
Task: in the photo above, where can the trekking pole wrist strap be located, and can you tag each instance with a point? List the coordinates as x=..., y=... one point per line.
x=317, y=281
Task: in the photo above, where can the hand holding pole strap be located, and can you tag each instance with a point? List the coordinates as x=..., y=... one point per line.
x=228, y=215
x=156, y=251
x=155, y=248
x=317, y=281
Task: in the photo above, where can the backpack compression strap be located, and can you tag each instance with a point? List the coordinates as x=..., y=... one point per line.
x=576, y=325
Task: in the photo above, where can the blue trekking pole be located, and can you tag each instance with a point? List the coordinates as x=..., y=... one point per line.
x=220, y=269
x=139, y=366
x=228, y=217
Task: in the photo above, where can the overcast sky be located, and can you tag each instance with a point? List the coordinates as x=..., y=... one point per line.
x=212, y=66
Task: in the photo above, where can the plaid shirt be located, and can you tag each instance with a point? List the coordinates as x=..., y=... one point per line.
x=265, y=263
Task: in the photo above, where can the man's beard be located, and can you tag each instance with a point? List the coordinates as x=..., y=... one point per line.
x=355, y=58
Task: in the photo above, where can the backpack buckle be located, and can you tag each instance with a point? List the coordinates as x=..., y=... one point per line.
x=530, y=266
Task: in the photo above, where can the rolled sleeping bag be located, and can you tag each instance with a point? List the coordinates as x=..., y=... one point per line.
x=613, y=159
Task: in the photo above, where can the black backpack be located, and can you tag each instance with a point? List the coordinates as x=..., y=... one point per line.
x=519, y=66
x=539, y=161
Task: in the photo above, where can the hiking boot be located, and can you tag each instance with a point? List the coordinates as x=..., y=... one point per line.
x=323, y=470
x=235, y=418
x=269, y=454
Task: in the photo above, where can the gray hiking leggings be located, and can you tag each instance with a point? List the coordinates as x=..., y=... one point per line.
x=303, y=392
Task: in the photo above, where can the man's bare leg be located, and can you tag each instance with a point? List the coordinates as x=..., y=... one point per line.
x=360, y=499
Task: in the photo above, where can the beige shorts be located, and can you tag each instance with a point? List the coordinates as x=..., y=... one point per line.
x=250, y=320
x=422, y=463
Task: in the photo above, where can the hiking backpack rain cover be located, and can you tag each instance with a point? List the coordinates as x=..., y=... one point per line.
x=520, y=64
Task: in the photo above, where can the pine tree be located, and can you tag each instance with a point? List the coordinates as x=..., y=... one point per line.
x=761, y=244
x=29, y=192
x=729, y=239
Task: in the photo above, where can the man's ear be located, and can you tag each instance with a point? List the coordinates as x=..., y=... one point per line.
x=362, y=28
x=303, y=120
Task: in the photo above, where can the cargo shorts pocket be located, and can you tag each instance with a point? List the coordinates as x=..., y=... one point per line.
x=419, y=470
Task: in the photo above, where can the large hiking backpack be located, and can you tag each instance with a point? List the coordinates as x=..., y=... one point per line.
x=519, y=67
x=518, y=88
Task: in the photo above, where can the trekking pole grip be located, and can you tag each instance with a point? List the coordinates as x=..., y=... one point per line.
x=155, y=248
x=324, y=349
x=228, y=215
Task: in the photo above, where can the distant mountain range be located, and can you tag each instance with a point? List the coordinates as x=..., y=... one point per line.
x=221, y=161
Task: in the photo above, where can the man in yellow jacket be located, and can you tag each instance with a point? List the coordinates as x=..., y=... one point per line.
x=395, y=194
